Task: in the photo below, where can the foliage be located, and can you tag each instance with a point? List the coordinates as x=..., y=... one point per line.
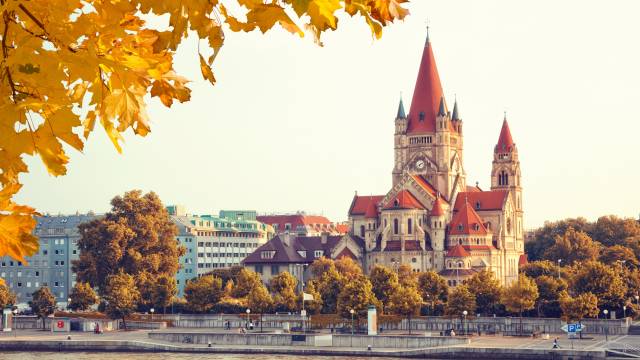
x=357, y=295
x=227, y=274
x=619, y=253
x=103, y=61
x=283, y=287
x=405, y=301
x=406, y=276
x=347, y=267
x=460, y=299
x=549, y=288
x=576, y=308
x=329, y=286
x=433, y=288
x=544, y=237
x=534, y=269
x=43, y=303
x=521, y=295
x=611, y=230
x=136, y=237
x=573, y=246
x=601, y=280
x=259, y=301
x=315, y=306
x=320, y=266
x=384, y=282
x=163, y=292
x=487, y=290
x=203, y=293
x=82, y=297
x=121, y=296
x=247, y=280
x=7, y=297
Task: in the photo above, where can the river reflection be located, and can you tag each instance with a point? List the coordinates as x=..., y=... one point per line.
x=160, y=356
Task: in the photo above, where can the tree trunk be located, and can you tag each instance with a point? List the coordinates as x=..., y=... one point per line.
x=520, y=321
x=124, y=323
x=260, y=322
x=409, y=324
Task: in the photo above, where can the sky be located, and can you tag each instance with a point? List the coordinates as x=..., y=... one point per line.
x=293, y=126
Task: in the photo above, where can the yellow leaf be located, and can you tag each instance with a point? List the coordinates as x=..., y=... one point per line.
x=265, y=16
x=50, y=151
x=62, y=123
x=206, y=71
x=322, y=15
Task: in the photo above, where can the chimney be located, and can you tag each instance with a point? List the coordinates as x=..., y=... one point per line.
x=323, y=237
x=287, y=239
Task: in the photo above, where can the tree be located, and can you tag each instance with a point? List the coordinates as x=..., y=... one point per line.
x=384, y=282
x=136, y=237
x=549, y=288
x=533, y=269
x=203, y=293
x=520, y=296
x=105, y=60
x=315, y=306
x=573, y=246
x=460, y=299
x=544, y=237
x=259, y=301
x=320, y=266
x=43, y=303
x=406, y=276
x=487, y=290
x=82, y=297
x=619, y=253
x=405, y=301
x=121, y=296
x=7, y=297
x=611, y=230
x=347, y=267
x=576, y=308
x=601, y=280
x=329, y=286
x=163, y=292
x=357, y=295
x=283, y=286
x=433, y=288
x=247, y=280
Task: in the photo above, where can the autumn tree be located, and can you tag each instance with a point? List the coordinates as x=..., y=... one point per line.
x=283, y=287
x=549, y=288
x=573, y=246
x=384, y=282
x=576, y=308
x=520, y=296
x=163, y=292
x=43, y=303
x=460, y=299
x=329, y=286
x=619, y=254
x=320, y=266
x=7, y=297
x=533, y=269
x=259, y=301
x=106, y=60
x=121, y=296
x=601, y=280
x=315, y=306
x=203, y=293
x=545, y=237
x=487, y=290
x=136, y=237
x=347, y=267
x=433, y=288
x=246, y=281
x=611, y=230
x=82, y=297
x=405, y=301
x=406, y=276
x=357, y=294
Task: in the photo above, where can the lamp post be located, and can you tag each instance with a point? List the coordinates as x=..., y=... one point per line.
x=464, y=318
x=606, y=328
x=68, y=303
x=247, y=324
x=624, y=311
x=352, y=312
x=559, y=264
x=14, y=325
x=152, y=310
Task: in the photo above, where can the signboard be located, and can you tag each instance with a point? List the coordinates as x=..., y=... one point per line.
x=572, y=328
x=60, y=325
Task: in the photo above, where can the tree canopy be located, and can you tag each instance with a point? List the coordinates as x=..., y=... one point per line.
x=576, y=308
x=384, y=282
x=601, y=280
x=283, y=286
x=521, y=295
x=203, y=293
x=487, y=290
x=43, y=303
x=82, y=297
x=460, y=300
x=106, y=60
x=7, y=297
x=357, y=295
x=121, y=296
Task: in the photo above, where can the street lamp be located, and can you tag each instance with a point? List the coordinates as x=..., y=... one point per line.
x=559, y=264
x=464, y=318
x=152, y=310
x=624, y=311
x=247, y=324
x=15, y=324
x=352, y=313
x=606, y=328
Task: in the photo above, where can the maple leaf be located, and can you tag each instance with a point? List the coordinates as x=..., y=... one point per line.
x=206, y=71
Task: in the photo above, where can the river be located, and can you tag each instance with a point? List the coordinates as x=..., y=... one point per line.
x=159, y=356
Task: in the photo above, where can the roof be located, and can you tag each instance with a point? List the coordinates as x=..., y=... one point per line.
x=297, y=221
x=478, y=247
x=365, y=205
x=473, y=188
x=404, y=200
x=482, y=200
x=342, y=228
x=466, y=221
x=286, y=254
x=426, y=95
x=455, y=114
x=457, y=272
x=424, y=183
x=437, y=207
x=401, y=114
x=457, y=251
x=505, y=141
x=409, y=245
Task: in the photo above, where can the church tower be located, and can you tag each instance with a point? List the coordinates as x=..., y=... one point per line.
x=505, y=174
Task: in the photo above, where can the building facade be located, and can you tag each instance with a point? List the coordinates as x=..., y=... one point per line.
x=213, y=242
x=302, y=224
x=51, y=265
x=431, y=219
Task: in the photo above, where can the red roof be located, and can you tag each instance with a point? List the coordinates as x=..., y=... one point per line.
x=365, y=205
x=424, y=183
x=342, y=228
x=466, y=221
x=482, y=200
x=319, y=223
x=457, y=251
x=437, y=207
x=478, y=247
x=473, y=188
x=404, y=200
x=505, y=141
x=426, y=95
x=522, y=260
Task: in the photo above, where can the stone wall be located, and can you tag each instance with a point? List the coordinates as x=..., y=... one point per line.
x=391, y=341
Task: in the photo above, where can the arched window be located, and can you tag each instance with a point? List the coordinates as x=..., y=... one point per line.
x=361, y=230
x=409, y=227
x=385, y=222
x=395, y=226
x=477, y=205
x=508, y=226
x=460, y=264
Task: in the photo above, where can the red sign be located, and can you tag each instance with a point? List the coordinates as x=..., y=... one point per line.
x=60, y=324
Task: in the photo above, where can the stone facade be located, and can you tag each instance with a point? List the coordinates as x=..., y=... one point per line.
x=431, y=219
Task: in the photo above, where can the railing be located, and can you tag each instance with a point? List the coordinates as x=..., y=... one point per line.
x=631, y=350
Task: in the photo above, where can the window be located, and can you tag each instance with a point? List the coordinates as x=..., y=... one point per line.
x=414, y=260
x=287, y=226
x=258, y=269
x=421, y=116
x=361, y=230
x=275, y=269
x=409, y=227
x=477, y=205
x=267, y=254
x=56, y=284
x=302, y=253
x=460, y=227
x=75, y=252
x=395, y=226
x=318, y=253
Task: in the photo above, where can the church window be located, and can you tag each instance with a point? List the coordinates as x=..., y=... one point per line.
x=396, y=203
x=460, y=264
x=409, y=227
x=395, y=226
x=421, y=116
x=488, y=225
x=361, y=230
x=413, y=260
x=508, y=226
x=460, y=227
x=420, y=222
x=460, y=241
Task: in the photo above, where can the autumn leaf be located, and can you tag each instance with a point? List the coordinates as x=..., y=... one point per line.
x=206, y=71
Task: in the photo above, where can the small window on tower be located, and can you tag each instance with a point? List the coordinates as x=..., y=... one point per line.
x=421, y=116
x=477, y=205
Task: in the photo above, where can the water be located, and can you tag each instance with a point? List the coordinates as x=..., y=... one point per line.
x=159, y=356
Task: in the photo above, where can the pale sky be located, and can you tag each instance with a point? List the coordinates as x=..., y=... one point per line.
x=291, y=126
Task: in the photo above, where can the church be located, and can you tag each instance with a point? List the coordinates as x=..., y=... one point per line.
x=431, y=219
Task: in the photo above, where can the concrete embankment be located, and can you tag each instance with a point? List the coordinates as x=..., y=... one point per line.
x=460, y=352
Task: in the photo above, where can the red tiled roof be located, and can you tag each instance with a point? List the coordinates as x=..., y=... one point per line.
x=342, y=228
x=505, y=141
x=426, y=95
x=424, y=183
x=466, y=222
x=487, y=200
x=393, y=245
x=346, y=253
x=365, y=205
x=437, y=207
x=478, y=247
x=404, y=200
x=457, y=251
x=409, y=245
x=473, y=189
x=315, y=222
x=412, y=245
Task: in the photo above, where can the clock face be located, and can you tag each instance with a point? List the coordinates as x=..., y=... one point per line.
x=420, y=164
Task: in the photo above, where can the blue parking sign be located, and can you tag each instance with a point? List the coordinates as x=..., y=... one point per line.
x=572, y=328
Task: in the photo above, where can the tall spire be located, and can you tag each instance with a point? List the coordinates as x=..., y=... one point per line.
x=441, y=111
x=401, y=114
x=427, y=94
x=455, y=115
x=505, y=141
